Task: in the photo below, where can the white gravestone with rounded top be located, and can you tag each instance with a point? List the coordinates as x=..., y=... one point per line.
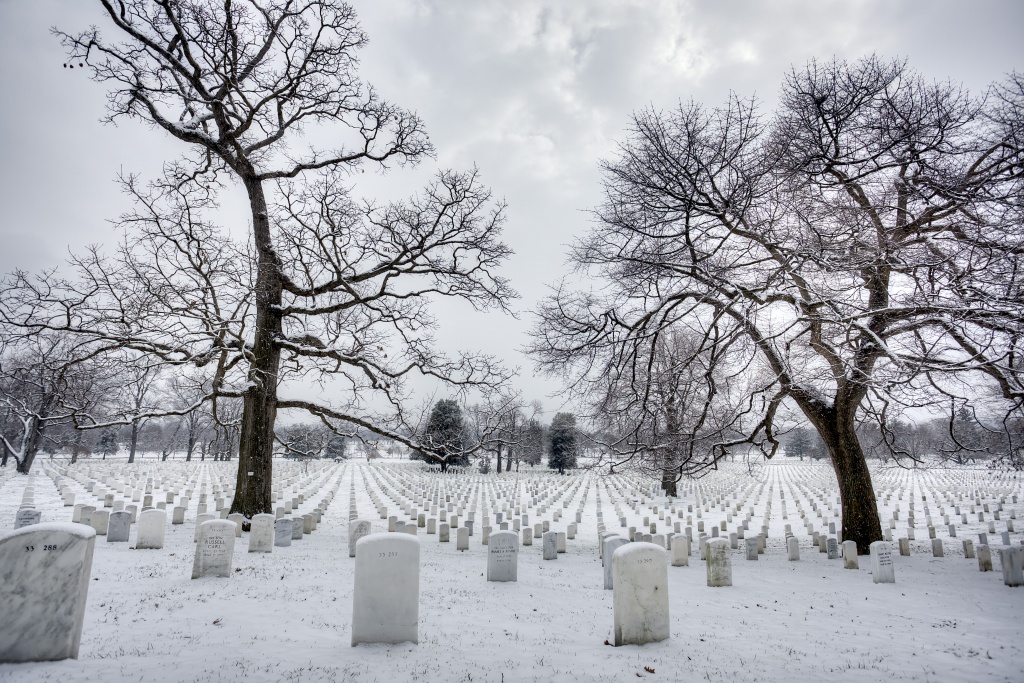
x=151, y=529
x=283, y=532
x=119, y=527
x=793, y=549
x=882, y=568
x=680, y=550
x=850, y=559
x=984, y=558
x=357, y=528
x=215, y=549
x=26, y=517
x=549, y=545
x=640, y=601
x=200, y=518
x=718, y=564
x=261, y=533
x=99, y=521
x=1013, y=573
x=44, y=580
x=238, y=519
x=609, y=546
x=386, y=598
x=503, y=556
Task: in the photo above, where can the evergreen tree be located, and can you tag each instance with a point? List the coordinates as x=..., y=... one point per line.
x=108, y=443
x=445, y=436
x=533, y=442
x=562, y=442
x=799, y=444
x=337, y=447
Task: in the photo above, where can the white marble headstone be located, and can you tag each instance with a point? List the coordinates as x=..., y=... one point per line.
x=215, y=549
x=882, y=568
x=503, y=556
x=753, y=544
x=1013, y=573
x=200, y=518
x=261, y=533
x=26, y=517
x=611, y=543
x=640, y=602
x=549, y=544
x=385, y=601
x=152, y=524
x=283, y=532
x=238, y=519
x=44, y=580
x=850, y=559
x=719, y=565
x=119, y=527
x=357, y=528
x=984, y=558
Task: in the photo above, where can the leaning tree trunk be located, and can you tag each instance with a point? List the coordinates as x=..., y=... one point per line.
x=35, y=436
x=860, y=509
x=259, y=403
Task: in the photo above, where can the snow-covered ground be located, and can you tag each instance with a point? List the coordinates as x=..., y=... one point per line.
x=285, y=616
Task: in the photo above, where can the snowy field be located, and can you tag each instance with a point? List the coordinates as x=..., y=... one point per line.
x=285, y=616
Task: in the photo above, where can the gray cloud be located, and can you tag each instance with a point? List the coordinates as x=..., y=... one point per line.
x=534, y=92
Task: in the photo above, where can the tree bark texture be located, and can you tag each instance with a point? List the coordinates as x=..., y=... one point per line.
x=134, y=442
x=259, y=408
x=856, y=491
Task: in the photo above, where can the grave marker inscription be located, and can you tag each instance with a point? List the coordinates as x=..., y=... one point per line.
x=44, y=581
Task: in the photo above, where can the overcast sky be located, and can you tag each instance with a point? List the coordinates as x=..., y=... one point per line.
x=534, y=92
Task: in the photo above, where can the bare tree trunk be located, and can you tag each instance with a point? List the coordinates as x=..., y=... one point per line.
x=76, y=446
x=668, y=478
x=134, y=442
x=673, y=428
x=499, y=458
x=860, y=509
x=35, y=433
x=259, y=408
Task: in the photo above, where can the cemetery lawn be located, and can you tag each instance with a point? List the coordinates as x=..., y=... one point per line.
x=286, y=615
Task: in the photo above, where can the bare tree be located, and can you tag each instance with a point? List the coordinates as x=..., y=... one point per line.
x=327, y=285
x=138, y=398
x=45, y=381
x=189, y=392
x=859, y=250
x=228, y=414
x=667, y=409
x=311, y=441
x=496, y=426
